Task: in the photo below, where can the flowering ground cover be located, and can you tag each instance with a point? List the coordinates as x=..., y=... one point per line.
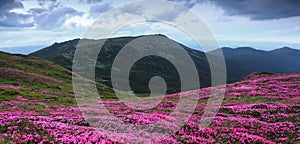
x=41, y=108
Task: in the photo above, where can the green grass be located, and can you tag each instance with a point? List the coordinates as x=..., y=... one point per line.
x=34, y=65
x=252, y=99
x=62, y=91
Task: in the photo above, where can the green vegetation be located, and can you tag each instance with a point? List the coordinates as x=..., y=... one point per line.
x=37, y=79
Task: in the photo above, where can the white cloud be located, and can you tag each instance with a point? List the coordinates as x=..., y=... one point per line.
x=79, y=21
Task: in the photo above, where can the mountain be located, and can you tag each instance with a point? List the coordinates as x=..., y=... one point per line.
x=33, y=78
x=142, y=71
x=37, y=79
x=227, y=51
x=239, y=62
x=244, y=60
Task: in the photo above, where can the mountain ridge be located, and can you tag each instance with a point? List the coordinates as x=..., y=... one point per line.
x=240, y=62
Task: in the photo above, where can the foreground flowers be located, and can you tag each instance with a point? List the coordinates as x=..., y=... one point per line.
x=260, y=109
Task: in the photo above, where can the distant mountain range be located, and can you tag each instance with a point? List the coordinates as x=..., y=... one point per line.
x=244, y=60
x=239, y=62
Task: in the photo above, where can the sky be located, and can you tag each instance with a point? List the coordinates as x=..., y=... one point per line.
x=29, y=25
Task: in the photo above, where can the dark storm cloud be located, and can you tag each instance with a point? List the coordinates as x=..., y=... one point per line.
x=12, y=19
x=260, y=9
x=9, y=4
x=254, y=9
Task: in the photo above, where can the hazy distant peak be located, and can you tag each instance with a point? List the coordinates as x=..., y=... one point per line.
x=286, y=48
x=228, y=51
x=245, y=48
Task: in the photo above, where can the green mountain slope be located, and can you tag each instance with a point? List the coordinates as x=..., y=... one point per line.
x=38, y=79
x=141, y=72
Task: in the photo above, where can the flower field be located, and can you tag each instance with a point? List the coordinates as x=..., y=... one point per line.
x=37, y=105
x=260, y=109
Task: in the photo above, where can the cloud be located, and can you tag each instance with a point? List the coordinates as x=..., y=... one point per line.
x=10, y=4
x=99, y=8
x=254, y=9
x=186, y=3
x=13, y=19
x=136, y=9
x=260, y=9
x=36, y=10
x=49, y=15
x=55, y=18
x=290, y=31
x=171, y=14
x=49, y=4
x=90, y=1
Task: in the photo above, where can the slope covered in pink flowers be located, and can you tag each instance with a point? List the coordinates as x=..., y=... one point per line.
x=38, y=106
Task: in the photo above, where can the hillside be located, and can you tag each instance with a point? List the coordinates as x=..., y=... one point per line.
x=239, y=62
x=37, y=105
x=142, y=71
x=36, y=78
